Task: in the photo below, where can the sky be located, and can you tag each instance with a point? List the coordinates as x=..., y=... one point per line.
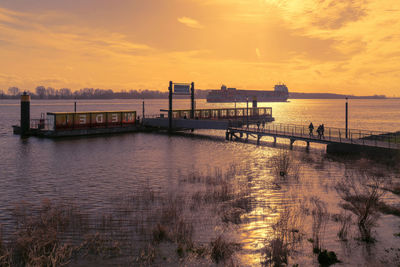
x=346, y=46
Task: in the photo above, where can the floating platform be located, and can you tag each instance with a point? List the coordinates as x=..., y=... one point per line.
x=63, y=124
x=77, y=132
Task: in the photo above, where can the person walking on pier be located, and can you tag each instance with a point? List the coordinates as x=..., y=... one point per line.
x=319, y=131
x=311, y=128
x=322, y=131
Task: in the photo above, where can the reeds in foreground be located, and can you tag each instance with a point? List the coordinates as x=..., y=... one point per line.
x=361, y=194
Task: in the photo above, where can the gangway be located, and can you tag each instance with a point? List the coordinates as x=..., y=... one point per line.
x=334, y=138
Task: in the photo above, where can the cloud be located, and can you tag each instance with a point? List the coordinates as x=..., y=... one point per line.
x=40, y=33
x=192, y=23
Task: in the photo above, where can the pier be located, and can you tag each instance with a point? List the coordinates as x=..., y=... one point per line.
x=334, y=138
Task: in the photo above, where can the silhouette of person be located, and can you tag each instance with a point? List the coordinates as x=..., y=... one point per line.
x=322, y=130
x=319, y=131
x=311, y=128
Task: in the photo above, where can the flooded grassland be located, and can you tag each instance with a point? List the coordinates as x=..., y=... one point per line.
x=289, y=208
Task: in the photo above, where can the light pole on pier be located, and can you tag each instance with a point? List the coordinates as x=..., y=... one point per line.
x=143, y=110
x=235, y=108
x=347, y=117
x=247, y=112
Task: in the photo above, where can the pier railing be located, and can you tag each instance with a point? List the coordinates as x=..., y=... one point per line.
x=354, y=136
x=223, y=113
x=40, y=124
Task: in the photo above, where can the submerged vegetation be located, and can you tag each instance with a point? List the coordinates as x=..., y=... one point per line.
x=206, y=221
x=55, y=234
x=362, y=194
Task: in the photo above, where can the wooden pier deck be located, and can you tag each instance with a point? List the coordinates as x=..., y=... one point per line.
x=333, y=137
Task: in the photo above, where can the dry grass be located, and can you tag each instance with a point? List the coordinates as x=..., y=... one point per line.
x=284, y=165
x=320, y=218
x=135, y=227
x=361, y=193
x=39, y=237
x=222, y=250
x=287, y=235
x=345, y=224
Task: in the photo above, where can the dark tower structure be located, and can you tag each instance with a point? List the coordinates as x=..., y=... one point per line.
x=25, y=113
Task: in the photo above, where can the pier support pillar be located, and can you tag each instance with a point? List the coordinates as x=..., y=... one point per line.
x=308, y=145
x=247, y=137
x=291, y=143
x=274, y=140
x=25, y=113
x=258, y=139
x=241, y=135
x=227, y=135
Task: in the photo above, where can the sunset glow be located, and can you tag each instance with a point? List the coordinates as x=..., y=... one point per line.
x=347, y=47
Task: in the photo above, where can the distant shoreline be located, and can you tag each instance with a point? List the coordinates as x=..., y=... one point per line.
x=294, y=95
x=199, y=94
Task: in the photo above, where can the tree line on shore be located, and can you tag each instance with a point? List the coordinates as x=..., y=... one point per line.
x=42, y=92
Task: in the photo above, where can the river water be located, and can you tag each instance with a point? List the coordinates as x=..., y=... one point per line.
x=93, y=171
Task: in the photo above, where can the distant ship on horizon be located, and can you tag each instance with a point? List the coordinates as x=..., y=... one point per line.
x=224, y=95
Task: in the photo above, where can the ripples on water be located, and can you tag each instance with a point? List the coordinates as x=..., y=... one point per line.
x=97, y=171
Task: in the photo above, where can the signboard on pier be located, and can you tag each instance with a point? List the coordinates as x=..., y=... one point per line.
x=98, y=119
x=182, y=89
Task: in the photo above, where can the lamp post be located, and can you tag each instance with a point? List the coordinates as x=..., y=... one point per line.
x=347, y=116
x=143, y=110
x=247, y=112
x=235, y=108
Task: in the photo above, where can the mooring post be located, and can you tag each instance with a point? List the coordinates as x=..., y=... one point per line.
x=192, y=100
x=25, y=113
x=170, y=107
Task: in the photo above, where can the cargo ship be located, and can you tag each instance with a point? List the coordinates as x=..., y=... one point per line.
x=224, y=95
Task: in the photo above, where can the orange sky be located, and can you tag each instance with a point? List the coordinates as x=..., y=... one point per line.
x=349, y=47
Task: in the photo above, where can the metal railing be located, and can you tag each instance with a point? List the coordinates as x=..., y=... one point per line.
x=223, y=113
x=354, y=136
x=40, y=124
